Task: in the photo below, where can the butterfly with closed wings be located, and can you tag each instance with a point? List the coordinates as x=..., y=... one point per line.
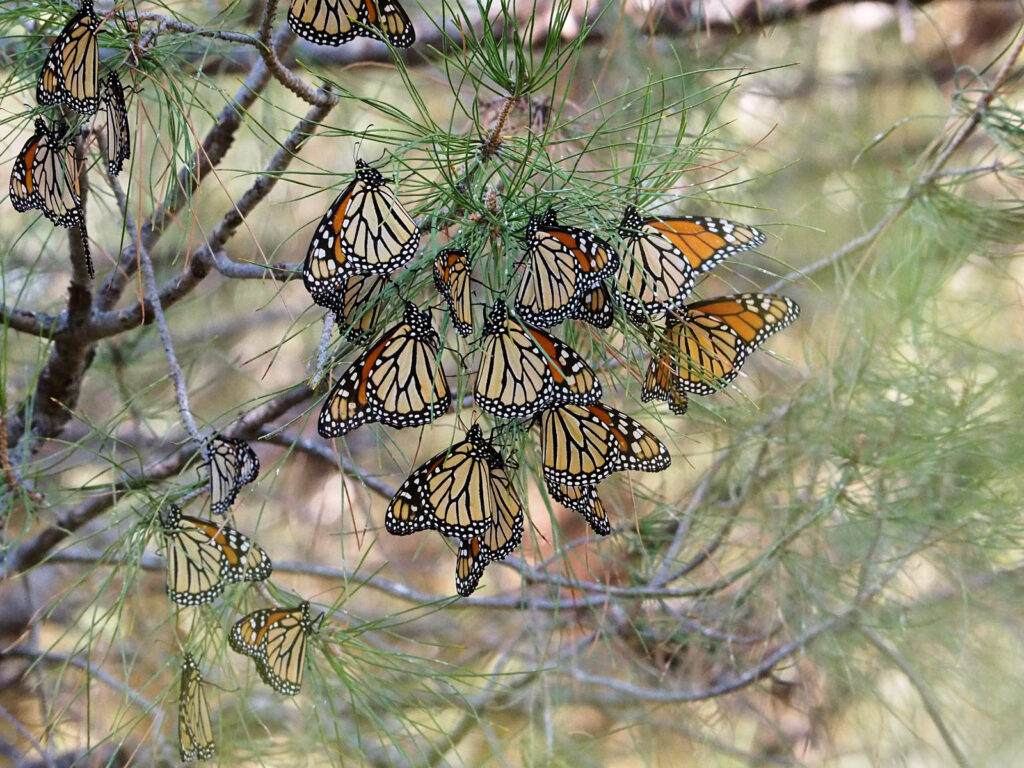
x=664, y=257
x=230, y=463
x=195, y=733
x=116, y=131
x=203, y=557
x=70, y=73
x=365, y=231
x=452, y=270
x=334, y=22
x=276, y=639
x=524, y=369
x=45, y=176
x=398, y=381
x=563, y=265
x=462, y=492
x=584, y=444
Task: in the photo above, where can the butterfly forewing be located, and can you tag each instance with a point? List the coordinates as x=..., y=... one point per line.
x=360, y=309
x=195, y=733
x=70, y=73
x=399, y=381
x=582, y=445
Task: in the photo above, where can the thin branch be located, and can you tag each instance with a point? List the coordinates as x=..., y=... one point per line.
x=931, y=706
x=282, y=41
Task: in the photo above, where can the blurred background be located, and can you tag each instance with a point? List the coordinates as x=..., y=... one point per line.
x=829, y=574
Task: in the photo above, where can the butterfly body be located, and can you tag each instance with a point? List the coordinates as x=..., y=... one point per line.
x=524, y=369
x=398, y=381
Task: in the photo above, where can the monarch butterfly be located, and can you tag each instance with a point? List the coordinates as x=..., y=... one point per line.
x=195, y=733
x=664, y=257
x=662, y=383
x=365, y=231
x=583, y=444
x=118, y=141
x=563, y=265
x=583, y=499
x=333, y=22
x=359, y=310
x=71, y=71
x=231, y=464
x=45, y=176
x=451, y=278
x=398, y=381
x=202, y=557
x=276, y=639
x=595, y=308
x=705, y=347
x=462, y=492
x=524, y=369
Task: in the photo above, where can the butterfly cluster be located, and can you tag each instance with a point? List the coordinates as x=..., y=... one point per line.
x=203, y=557
x=46, y=171
x=526, y=375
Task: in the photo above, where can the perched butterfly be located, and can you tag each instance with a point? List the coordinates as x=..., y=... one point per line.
x=563, y=265
x=451, y=278
x=583, y=499
x=584, y=444
x=359, y=309
x=524, y=369
x=462, y=492
x=118, y=140
x=195, y=734
x=45, y=176
x=704, y=348
x=231, y=464
x=662, y=383
x=398, y=381
x=71, y=71
x=334, y=22
x=365, y=231
x=202, y=557
x=664, y=257
x=276, y=639
x=595, y=308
